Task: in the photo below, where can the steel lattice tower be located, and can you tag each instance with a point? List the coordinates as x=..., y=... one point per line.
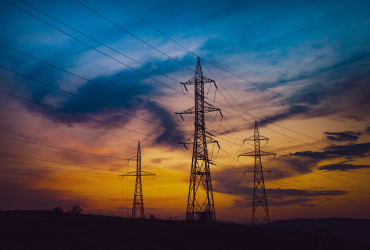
x=200, y=174
x=259, y=182
x=138, y=202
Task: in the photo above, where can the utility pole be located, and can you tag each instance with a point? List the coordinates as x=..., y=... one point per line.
x=200, y=175
x=138, y=203
x=259, y=191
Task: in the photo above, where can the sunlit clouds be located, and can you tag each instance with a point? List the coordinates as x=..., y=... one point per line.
x=307, y=66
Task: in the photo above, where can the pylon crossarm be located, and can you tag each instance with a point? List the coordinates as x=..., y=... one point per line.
x=186, y=112
x=135, y=174
x=192, y=81
x=131, y=159
x=247, y=154
x=211, y=140
x=147, y=173
x=262, y=138
x=189, y=82
x=207, y=80
x=208, y=103
x=207, y=109
x=254, y=154
x=188, y=141
x=210, y=109
x=252, y=171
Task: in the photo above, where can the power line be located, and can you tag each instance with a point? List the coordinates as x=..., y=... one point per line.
x=99, y=42
x=337, y=172
x=188, y=68
x=102, y=53
x=82, y=166
x=86, y=99
x=274, y=182
x=290, y=100
x=308, y=170
x=213, y=75
x=93, y=119
x=49, y=146
x=23, y=98
x=98, y=83
x=83, y=78
x=256, y=117
x=66, y=123
x=336, y=196
x=326, y=175
x=147, y=75
x=92, y=47
x=235, y=187
x=56, y=168
x=134, y=36
x=155, y=28
x=139, y=72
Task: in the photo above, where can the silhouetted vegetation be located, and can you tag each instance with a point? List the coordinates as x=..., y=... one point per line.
x=34, y=230
x=75, y=209
x=57, y=209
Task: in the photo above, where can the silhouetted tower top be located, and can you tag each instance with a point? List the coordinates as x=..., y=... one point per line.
x=200, y=175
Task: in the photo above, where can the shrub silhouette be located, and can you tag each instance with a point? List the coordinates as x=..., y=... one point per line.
x=75, y=210
x=57, y=209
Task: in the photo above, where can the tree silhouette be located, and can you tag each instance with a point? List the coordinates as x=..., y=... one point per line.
x=75, y=209
x=57, y=209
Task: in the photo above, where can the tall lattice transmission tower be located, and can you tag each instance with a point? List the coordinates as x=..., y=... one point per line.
x=259, y=191
x=138, y=202
x=200, y=200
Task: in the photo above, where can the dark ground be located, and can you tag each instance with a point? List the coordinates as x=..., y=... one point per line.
x=349, y=229
x=51, y=230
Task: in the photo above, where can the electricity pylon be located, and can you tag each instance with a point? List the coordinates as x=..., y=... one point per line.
x=200, y=173
x=138, y=203
x=259, y=182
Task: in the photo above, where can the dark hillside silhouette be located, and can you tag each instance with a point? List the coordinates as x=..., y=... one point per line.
x=42, y=230
x=349, y=229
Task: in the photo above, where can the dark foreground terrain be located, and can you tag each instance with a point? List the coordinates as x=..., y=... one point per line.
x=349, y=229
x=51, y=230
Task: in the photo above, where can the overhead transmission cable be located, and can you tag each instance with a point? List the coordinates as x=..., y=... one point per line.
x=95, y=102
x=38, y=166
x=337, y=196
x=130, y=57
x=139, y=71
x=66, y=123
x=63, y=163
x=126, y=65
x=264, y=88
x=305, y=169
x=99, y=84
x=95, y=120
x=49, y=146
x=151, y=68
x=325, y=175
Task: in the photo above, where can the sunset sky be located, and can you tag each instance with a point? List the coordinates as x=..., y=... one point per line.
x=92, y=77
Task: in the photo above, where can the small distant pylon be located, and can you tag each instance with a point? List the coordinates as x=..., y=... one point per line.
x=138, y=203
x=259, y=181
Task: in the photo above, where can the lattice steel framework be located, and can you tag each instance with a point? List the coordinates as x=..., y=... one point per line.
x=259, y=182
x=200, y=174
x=138, y=202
